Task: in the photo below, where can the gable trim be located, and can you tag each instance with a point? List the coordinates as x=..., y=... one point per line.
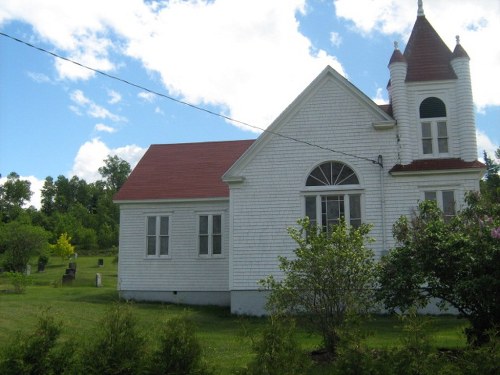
x=273, y=130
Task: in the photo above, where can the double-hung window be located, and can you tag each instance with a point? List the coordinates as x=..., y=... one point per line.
x=433, y=127
x=210, y=235
x=445, y=200
x=333, y=193
x=158, y=236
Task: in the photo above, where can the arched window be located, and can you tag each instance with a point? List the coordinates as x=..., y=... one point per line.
x=325, y=208
x=433, y=127
x=332, y=173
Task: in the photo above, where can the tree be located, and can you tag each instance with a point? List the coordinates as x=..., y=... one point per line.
x=330, y=279
x=19, y=242
x=63, y=247
x=14, y=193
x=490, y=185
x=115, y=171
x=456, y=261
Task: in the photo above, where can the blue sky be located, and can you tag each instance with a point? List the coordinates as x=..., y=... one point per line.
x=247, y=59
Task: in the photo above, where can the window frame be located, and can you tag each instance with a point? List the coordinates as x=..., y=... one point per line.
x=440, y=116
x=210, y=234
x=434, y=137
x=439, y=193
x=345, y=194
x=158, y=236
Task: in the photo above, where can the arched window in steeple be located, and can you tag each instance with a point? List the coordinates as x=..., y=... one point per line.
x=433, y=127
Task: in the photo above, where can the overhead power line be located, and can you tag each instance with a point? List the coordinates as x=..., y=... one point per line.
x=378, y=162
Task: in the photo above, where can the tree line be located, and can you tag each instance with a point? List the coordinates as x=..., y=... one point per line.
x=83, y=211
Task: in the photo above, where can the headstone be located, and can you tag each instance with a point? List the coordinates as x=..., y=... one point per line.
x=71, y=272
x=41, y=266
x=67, y=279
x=76, y=256
x=100, y=262
x=28, y=269
x=98, y=280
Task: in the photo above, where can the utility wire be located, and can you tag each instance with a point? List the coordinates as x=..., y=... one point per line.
x=378, y=162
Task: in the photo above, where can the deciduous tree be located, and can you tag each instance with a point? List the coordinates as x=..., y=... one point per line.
x=330, y=278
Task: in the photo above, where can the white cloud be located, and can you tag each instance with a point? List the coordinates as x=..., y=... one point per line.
x=220, y=53
x=476, y=21
x=159, y=111
x=484, y=143
x=147, y=96
x=91, y=155
x=335, y=39
x=114, y=97
x=39, y=77
x=104, y=128
x=93, y=110
x=379, y=96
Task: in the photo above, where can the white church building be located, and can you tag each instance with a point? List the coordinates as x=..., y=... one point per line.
x=202, y=223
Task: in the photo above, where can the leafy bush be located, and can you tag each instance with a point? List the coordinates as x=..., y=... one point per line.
x=330, y=278
x=117, y=346
x=31, y=354
x=179, y=351
x=277, y=351
x=19, y=281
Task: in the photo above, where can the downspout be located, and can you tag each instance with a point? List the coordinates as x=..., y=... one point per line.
x=382, y=202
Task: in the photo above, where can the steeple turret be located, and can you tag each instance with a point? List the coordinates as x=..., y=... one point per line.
x=465, y=107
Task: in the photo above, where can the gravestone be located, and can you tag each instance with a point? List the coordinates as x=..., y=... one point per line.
x=67, y=279
x=100, y=262
x=98, y=280
x=41, y=266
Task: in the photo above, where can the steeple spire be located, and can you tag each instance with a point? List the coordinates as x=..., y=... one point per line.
x=420, y=8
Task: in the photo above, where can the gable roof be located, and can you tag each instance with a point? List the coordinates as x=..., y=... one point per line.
x=384, y=111
x=182, y=171
x=427, y=55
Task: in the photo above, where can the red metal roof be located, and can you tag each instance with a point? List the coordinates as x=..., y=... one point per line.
x=437, y=165
x=427, y=55
x=182, y=171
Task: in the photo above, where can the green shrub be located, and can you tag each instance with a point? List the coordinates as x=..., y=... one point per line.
x=31, y=353
x=277, y=351
x=19, y=281
x=117, y=347
x=179, y=351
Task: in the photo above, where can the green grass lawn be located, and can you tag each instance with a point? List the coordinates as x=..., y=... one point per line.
x=225, y=338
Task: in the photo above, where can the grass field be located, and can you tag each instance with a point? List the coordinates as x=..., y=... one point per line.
x=224, y=337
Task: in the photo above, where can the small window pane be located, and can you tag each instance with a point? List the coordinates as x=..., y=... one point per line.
x=448, y=203
x=217, y=244
x=427, y=146
x=442, y=132
x=204, y=245
x=164, y=225
x=203, y=224
x=355, y=208
x=332, y=173
x=164, y=245
x=311, y=208
x=151, y=225
x=151, y=245
x=426, y=130
x=443, y=145
x=432, y=107
x=430, y=196
x=216, y=226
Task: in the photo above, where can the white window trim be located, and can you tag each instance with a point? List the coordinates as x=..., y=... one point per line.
x=439, y=196
x=210, y=234
x=323, y=193
x=434, y=134
x=157, y=235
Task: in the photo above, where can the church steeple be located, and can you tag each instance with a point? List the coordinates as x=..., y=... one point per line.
x=420, y=8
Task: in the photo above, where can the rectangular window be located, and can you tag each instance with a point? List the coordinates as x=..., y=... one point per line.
x=331, y=208
x=445, y=200
x=434, y=138
x=210, y=235
x=157, y=236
